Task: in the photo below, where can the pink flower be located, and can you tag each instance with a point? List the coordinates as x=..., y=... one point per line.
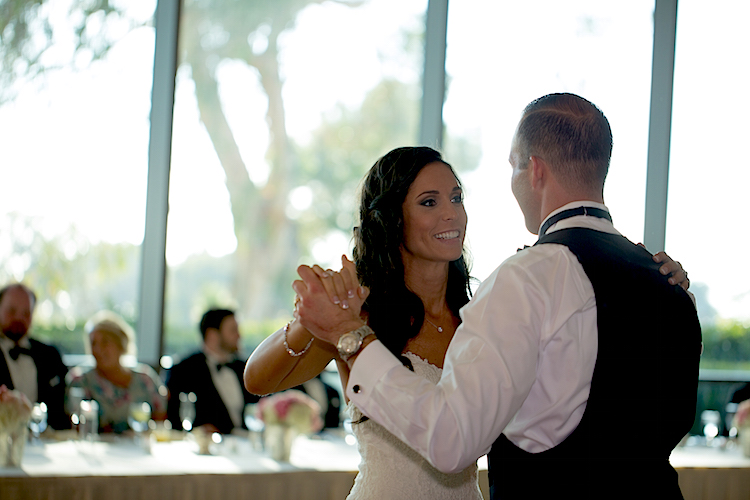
x=293, y=409
x=742, y=416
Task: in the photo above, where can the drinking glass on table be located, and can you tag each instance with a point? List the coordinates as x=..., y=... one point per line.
x=75, y=396
x=38, y=421
x=255, y=426
x=138, y=417
x=89, y=419
x=731, y=409
x=710, y=420
x=187, y=410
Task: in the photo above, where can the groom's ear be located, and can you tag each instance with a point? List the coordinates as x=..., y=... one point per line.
x=538, y=172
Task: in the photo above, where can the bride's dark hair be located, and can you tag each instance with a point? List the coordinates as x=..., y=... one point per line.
x=396, y=313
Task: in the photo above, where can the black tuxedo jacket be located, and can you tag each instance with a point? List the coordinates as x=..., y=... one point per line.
x=192, y=375
x=51, y=372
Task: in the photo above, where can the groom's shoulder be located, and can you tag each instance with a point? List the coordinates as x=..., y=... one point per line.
x=539, y=261
x=529, y=257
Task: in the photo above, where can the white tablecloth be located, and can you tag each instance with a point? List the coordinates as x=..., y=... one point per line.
x=712, y=473
x=234, y=455
x=319, y=469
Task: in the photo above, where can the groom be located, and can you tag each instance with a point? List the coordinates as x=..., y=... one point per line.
x=559, y=350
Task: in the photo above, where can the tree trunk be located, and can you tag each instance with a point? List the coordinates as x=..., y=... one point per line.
x=265, y=237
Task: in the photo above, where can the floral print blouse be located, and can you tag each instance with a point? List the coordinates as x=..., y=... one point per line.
x=114, y=401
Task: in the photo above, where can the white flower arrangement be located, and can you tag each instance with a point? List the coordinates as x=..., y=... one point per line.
x=15, y=409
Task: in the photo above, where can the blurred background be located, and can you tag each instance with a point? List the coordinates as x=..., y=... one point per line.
x=281, y=107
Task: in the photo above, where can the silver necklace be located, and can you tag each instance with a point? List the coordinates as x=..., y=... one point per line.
x=439, y=328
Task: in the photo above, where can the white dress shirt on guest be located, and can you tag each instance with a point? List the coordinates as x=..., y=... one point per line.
x=22, y=370
x=521, y=362
x=226, y=382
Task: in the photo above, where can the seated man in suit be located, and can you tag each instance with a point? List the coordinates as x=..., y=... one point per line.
x=214, y=375
x=34, y=368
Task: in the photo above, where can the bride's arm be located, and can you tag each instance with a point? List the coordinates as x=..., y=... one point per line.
x=291, y=355
x=272, y=368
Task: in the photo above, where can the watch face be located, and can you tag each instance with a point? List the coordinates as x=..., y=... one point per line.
x=349, y=343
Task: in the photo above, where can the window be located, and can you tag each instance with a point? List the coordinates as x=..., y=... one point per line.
x=496, y=66
x=277, y=119
x=74, y=162
x=709, y=172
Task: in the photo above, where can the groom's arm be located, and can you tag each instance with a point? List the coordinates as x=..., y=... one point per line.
x=489, y=369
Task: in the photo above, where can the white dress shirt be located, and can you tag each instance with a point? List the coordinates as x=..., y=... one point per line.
x=22, y=370
x=521, y=362
x=228, y=385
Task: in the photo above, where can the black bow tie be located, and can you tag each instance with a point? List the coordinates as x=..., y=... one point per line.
x=219, y=366
x=566, y=214
x=17, y=350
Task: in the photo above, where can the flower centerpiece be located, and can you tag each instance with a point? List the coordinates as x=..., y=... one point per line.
x=15, y=413
x=286, y=415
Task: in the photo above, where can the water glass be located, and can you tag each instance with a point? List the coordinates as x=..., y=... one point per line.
x=89, y=419
x=75, y=396
x=710, y=420
x=187, y=410
x=255, y=426
x=38, y=421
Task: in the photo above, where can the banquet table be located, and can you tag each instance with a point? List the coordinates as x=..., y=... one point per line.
x=712, y=473
x=320, y=468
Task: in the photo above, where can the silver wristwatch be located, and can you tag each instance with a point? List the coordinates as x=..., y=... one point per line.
x=351, y=342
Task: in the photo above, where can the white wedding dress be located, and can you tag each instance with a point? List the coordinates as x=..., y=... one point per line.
x=389, y=469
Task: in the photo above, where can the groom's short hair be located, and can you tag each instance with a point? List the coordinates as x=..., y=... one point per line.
x=572, y=135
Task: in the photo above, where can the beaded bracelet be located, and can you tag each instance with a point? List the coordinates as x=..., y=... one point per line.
x=286, y=342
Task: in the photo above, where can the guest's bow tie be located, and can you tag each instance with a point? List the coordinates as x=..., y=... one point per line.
x=219, y=366
x=17, y=350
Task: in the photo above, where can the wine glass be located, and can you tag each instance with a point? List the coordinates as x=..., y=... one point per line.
x=187, y=410
x=38, y=422
x=710, y=419
x=731, y=409
x=255, y=426
x=138, y=417
x=75, y=396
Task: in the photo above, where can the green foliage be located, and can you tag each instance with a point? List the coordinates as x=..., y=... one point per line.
x=68, y=339
x=345, y=146
x=74, y=277
x=255, y=332
x=27, y=35
x=71, y=277
x=182, y=340
x=726, y=345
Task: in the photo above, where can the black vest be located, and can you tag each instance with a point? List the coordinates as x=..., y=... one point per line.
x=643, y=391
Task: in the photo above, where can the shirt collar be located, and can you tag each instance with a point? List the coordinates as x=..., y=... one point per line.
x=7, y=344
x=575, y=221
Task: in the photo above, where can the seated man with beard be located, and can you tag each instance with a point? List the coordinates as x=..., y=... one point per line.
x=34, y=368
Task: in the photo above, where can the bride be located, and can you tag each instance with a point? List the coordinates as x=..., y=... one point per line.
x=408, y=250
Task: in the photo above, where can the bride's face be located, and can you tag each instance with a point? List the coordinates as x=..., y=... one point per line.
x=434, y=216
